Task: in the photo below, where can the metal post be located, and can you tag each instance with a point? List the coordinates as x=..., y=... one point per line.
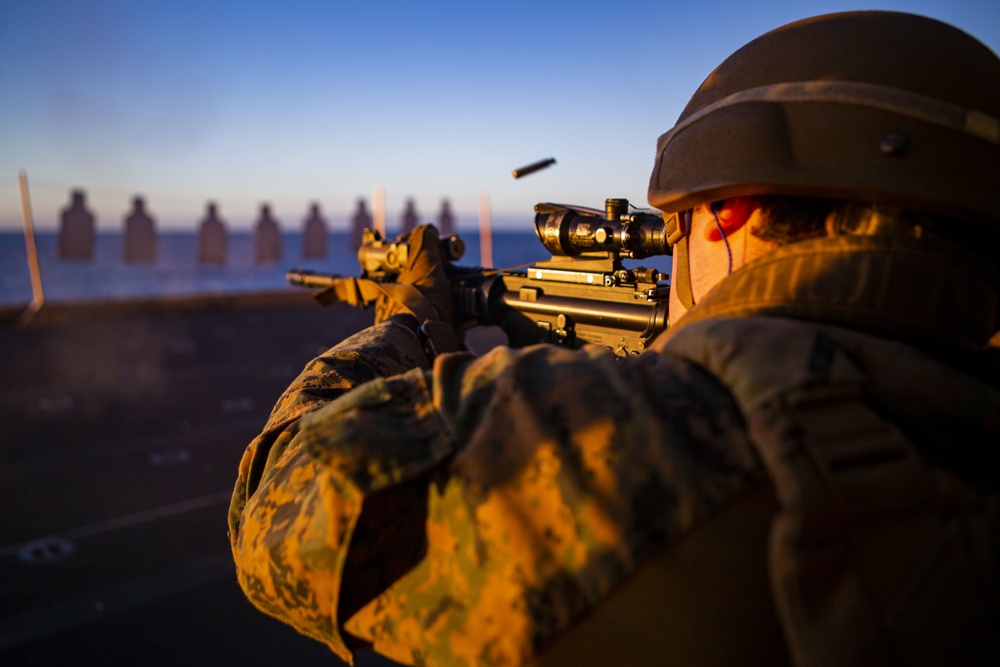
x=378, y=206
x=485, y=231
x=37, y=292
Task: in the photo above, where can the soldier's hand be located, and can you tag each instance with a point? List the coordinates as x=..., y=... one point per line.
x=424, y=270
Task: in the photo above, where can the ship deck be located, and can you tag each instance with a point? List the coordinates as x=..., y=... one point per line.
x=121, y=428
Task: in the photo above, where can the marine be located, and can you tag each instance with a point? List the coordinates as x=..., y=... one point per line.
x=801, y=470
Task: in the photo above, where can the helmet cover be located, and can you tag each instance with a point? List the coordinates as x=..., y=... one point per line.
x=884, y=107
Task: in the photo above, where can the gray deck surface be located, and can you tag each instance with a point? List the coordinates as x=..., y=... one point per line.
x=121, y=429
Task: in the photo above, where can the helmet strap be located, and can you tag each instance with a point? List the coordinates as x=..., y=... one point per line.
x=677, y=228
x=682, y=273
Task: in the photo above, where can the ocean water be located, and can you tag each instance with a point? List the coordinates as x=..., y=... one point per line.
x=177, y=271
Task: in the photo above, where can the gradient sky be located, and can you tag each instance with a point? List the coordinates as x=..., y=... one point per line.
x=296, y=101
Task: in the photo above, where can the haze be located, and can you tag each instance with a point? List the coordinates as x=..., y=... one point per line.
x=294, y=102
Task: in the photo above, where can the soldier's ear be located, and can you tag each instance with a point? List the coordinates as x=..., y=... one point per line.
x=731, y=215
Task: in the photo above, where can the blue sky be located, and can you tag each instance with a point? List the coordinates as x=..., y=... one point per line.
x=298, y=101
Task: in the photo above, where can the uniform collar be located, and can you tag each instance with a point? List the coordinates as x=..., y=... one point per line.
x=894, y=287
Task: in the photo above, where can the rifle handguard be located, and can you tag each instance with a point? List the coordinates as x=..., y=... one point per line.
x=361, y=293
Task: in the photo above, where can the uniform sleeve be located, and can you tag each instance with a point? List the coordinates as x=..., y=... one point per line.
x=468, y=513
x=386, y=349
x=286, y=518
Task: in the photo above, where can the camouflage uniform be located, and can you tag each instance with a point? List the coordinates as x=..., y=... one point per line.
x=471, y=511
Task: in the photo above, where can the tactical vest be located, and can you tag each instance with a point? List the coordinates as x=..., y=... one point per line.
x=857, y=553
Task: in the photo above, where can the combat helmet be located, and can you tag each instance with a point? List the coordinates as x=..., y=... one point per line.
x=884, y=107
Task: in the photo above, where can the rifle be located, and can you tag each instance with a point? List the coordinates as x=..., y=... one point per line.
x=583, y=294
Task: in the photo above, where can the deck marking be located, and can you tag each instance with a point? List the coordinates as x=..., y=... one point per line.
x=126, y=521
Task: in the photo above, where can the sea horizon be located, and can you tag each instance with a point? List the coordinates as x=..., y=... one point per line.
x=177, y=272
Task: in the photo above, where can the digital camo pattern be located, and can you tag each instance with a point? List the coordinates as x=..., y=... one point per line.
x=293, y=533
x=466, y=515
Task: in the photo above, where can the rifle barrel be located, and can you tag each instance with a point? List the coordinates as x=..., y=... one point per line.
x=307, y=278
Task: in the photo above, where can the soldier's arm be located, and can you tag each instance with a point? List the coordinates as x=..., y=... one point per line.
x=281, y=479
x=388, y=348
x=496, y=488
